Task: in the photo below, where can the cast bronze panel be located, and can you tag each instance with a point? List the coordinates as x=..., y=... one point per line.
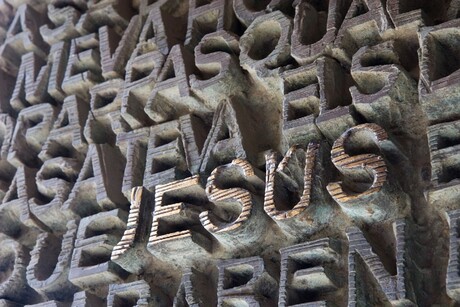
x=229, y=153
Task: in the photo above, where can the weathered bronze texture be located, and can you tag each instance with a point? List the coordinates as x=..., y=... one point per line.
x=229, y=153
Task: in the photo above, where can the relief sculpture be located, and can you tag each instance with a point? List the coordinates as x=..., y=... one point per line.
x=229, y=153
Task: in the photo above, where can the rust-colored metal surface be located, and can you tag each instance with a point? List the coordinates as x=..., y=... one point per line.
x=229, y=153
